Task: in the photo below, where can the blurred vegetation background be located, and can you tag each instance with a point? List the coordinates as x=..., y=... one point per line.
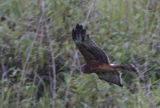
x=39, y=63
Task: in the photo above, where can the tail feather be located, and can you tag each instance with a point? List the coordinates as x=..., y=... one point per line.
x=127, y=67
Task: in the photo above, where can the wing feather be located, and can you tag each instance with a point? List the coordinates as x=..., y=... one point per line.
x=87, y=47
x=111, y=76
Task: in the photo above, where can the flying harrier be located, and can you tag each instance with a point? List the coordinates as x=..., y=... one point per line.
x=96, y=59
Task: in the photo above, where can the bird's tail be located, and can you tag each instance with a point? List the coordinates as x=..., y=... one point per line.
x=127, y=67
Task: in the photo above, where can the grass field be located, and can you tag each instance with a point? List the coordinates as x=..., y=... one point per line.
x=39, y=63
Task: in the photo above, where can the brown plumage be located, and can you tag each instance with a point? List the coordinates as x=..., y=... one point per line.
x=96, y=59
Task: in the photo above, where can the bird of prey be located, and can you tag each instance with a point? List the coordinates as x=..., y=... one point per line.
x=96, y=59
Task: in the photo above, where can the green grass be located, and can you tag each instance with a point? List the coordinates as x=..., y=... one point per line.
x=35, y=40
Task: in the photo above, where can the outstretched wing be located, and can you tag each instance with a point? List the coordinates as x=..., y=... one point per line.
x=87, y=47
x=111, y=76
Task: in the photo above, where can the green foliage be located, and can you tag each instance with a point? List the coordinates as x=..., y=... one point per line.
x=35, y=40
